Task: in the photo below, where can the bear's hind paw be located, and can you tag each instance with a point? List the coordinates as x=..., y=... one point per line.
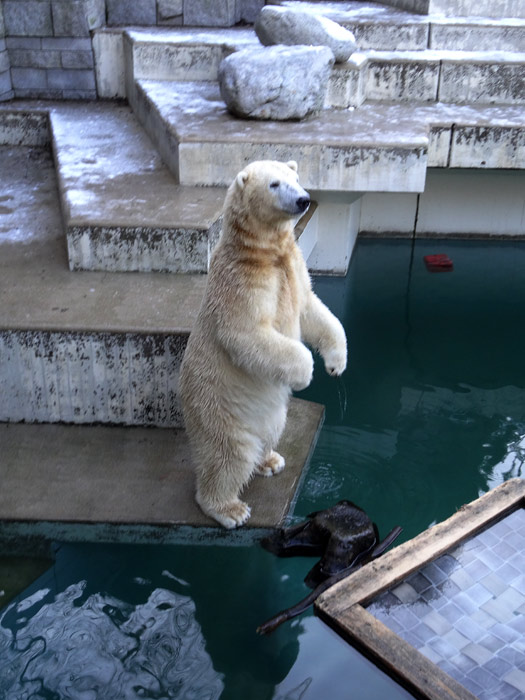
x=272, y=464
x=230, y=515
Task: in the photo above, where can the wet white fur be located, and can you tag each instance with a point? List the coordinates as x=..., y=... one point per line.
x=246, y=351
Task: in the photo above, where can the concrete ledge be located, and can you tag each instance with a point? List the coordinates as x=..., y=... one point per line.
x=125, y=379
x=122, y=208
x=133, y=484
x=335, y=151
x=23, y=127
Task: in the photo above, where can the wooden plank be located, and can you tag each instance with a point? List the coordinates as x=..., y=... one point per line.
x=397, y=656
x=400, y=562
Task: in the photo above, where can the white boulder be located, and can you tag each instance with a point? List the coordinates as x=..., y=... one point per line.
x=278, y=82
x=281, y=25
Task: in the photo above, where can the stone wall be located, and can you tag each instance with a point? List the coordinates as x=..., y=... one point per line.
x=49, y=47
x=46, y=49
x=6, y=92
x=190, y=13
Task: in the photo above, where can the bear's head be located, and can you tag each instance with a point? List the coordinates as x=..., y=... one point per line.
x=269, y=192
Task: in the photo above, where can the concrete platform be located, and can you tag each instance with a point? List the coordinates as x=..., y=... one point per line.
x=378, y=147
x=491, y=70
x=81, y=347
x=102, y=483
x=122, y=209
x=203, y=144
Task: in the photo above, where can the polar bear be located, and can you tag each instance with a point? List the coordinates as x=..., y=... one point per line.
x=246, y=352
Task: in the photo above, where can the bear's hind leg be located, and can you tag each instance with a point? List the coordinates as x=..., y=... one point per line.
x=221, y=480
x=272, y=462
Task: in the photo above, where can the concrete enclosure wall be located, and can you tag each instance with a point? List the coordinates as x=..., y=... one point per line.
x=6, y=92
x=49, y=47
x=46, y=49
x=459, y=203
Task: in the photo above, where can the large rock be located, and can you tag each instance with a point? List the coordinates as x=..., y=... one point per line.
x=280, y=25
x=278, y=82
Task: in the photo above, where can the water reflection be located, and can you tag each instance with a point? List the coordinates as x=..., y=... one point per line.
x=104, y=648
x=512, y=464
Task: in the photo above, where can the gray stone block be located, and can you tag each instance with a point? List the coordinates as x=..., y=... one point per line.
x=77, y=17
x=2, y=25
x=76, y=80
x=4, y=61
x=32, y=58
x=23, y=42
x=170, y=12
x=28, y=78
x=77, y=59
x=5, y=83
x=250, y=9
x=69, y=44
x=38, y=93
x=79, y=94
x=211, y=13
x=131, y=12
x=28, y=18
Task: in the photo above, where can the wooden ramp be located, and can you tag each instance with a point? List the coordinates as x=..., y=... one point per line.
x=443, y=612
x=104, y=483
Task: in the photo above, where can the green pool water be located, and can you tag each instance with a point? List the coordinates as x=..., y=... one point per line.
x=429, y=415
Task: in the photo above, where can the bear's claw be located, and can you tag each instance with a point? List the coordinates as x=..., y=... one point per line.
x=272, y=464
x=335, y=362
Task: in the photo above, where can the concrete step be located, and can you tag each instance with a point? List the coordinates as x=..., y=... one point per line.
x=81, y=347
x=385, y=28
x=122, y=208
x=458, y=76
x=378, y=147
x=463, y=8
x=101, y=483
x=204, y=145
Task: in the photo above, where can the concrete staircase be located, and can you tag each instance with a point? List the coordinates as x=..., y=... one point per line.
x=422, y=93
x=82, y=353
x=427, y=113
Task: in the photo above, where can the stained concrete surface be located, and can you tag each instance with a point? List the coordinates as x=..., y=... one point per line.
x=37, y=290
x=78, y=475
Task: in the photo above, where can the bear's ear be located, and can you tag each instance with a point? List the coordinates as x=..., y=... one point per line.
x=241, y=178
x=292, y=165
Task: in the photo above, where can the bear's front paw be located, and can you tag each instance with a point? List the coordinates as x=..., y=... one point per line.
x=335, y=361
x=302, y=373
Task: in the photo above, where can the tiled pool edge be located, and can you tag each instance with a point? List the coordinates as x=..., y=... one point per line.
x=342, y=606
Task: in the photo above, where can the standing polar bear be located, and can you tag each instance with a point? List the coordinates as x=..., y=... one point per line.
x=246, y=352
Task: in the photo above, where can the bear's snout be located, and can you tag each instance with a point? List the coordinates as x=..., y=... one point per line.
x=303, y=203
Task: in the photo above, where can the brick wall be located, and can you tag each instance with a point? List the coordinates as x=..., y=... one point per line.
x=6, y=92
x=49, y=47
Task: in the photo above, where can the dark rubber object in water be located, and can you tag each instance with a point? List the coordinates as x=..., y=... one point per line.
x=337, y=535
x=361, y=559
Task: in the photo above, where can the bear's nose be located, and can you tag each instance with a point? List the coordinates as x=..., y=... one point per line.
x=302, y=203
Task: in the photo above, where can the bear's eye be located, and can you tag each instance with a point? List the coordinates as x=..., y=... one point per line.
x=274, y=184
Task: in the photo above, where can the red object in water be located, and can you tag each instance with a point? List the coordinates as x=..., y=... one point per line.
x=438, y=263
